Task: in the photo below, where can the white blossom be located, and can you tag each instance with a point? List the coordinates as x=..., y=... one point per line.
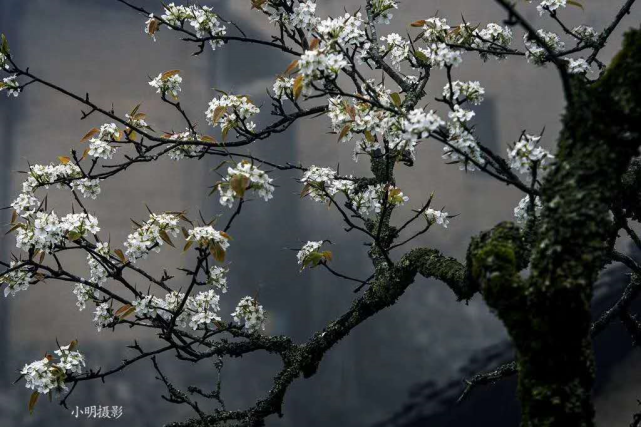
x=79, y=225
x=472, y=91
x=70, y=360
x=42, y=232
x=45, y=175
x=203, y=309
x=87, y=187
x=578, y=66
x=83, y=294
x=167, y=84
x=148, y=236
x=144, y=306
x=461, y=115
x=304, y=16
x=25, y=205
x=244, y=176
x=397, y=48
x=17, y=280
x=231, y=111
x=437, y=217
x=283, y=87
x=342, y=31
x=537, y=54
x=521, y=210
x=250, y=314
x=319, y=181
x=11, y=85
x=587, y=34
x=550, y=5
x=187, y=150
x=216, y=277
x=207, y=24
x=103, y=316
x=465, y=149
x=206, y=236
x=43, y=377
x=308, y=249
x=382, y=10
x=435, y=30
x=493, y=37
x=440, y=55
x=526, y=152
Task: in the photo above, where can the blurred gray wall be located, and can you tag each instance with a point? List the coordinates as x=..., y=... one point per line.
x=98, y=46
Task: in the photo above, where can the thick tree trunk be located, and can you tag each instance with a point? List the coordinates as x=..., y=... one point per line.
x=548, y=313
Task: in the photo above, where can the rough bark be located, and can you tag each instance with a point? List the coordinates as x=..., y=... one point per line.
x=548, y=313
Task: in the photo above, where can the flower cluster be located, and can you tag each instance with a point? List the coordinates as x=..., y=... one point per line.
x=244, y=176
x=435, y=30
x=17, y=280
x=521, y=210
x=536, y=53
x=462, y=147
x=250, y=314
x=492, y=38
x=304, y=16
x=283, y=88
x=100, y=145
x=207, y=236
x=440, y=55
x=197, y=311
x=44, y=231
x=151, y=234
x=103, y=316
x=550, y=5
x=11, y=85
x=437, y=217
x=586, y=34
x=83, y=294
x=471, y=91
x=87, y=187
x=78, y=225
x=188, y=150
x=374, y=197
x=397, y=48
x=45, y=175
x=417, y=125
x=48, y=374
x=311, y=256
x=322, y=181
x=204, y=309
x=70, y=360
x=231, y=112
x=526, y=153
x=205, y=22
x=167, y=82
x=382, y=10
x=217, y=278
x=25, y=205
x=578, y=66
x=320, y=64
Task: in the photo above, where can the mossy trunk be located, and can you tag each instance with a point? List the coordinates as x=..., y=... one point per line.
x=548, y=313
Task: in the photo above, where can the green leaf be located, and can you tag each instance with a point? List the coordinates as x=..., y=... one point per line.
x=396, y=98
x=217, y=252
x=165, y=237
x=5, y=45
x=34, y=396
x=74, y=235
x=576, y=3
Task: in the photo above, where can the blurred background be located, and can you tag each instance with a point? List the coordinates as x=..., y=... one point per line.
x=404, y=367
